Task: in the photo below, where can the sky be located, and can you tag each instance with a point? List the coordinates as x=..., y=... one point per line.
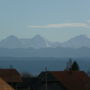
x=55, y=20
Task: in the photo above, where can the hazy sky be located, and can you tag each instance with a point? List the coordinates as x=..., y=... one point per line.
x=56, y=20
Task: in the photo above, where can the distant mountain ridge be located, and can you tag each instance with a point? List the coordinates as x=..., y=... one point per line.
x=37, y=46
x=77, y=42
x=40, y=42
x=11, y=42
x=35, y=42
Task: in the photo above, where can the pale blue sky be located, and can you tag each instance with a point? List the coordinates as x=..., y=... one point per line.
x=56, y=20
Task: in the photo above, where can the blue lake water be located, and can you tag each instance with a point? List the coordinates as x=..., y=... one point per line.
x=36, y=65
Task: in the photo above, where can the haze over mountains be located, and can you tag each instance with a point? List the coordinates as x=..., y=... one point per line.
x=38, y=41
x=39, y=47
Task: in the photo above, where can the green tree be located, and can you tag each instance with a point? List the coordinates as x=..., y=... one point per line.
x=75, y=66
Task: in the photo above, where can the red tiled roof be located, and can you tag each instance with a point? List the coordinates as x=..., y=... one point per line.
x=72, y=80
x=10, y=75
x=4, y=85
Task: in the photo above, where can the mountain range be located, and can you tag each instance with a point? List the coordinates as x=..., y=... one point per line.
x=38, y=41
x=38, y=46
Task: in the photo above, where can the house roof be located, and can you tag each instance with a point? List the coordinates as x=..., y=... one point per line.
x=4, y=85
x=72, y=80
x=10, y=75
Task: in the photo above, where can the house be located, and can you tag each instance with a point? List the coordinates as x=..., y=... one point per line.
x=29, y=82
x=62, y=80
x=4, y=85
x=73, y=80
x=11, y=76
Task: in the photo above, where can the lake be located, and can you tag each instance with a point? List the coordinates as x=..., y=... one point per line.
x=35, y=65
